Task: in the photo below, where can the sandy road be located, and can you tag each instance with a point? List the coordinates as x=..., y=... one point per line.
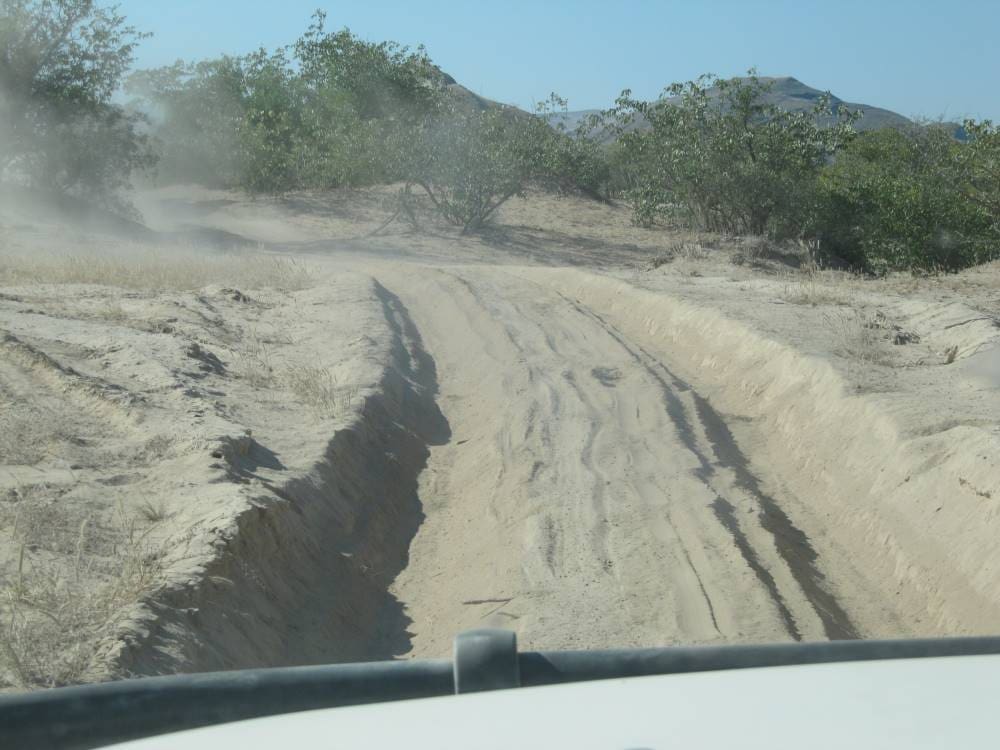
x=588, y=497
x=538, y=438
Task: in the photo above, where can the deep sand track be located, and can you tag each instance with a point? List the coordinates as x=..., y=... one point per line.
x=596, y=464
x=551, y=449
x=588, y=496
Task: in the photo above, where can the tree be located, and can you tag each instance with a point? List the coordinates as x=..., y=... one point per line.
x=383, y=81
x=913, y=198
x=60, y=63
x=470, y=162
x=196, y=110
x=728, y=160
x=572, y=162
x=334, y=110
x=981, y=165
x=322, y=113
x=364, y=101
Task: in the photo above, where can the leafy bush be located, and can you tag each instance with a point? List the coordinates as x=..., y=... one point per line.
x=251, y=122
x=913, y=198
x=381, y=81
x=981, y=167
x=322, y=113
x=717, y=153
x=470, y=162
x=60, y=63
x=572, y=162
x=335, y=110
x=197, y=109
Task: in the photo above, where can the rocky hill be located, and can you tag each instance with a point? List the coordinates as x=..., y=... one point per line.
x=787, y=93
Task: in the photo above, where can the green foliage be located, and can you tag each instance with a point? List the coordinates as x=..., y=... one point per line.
x=381, y=81
x=320, y=114
x=197, y=110
x=571, y=162
x=913, y=199
x=60, y=63
x=335, y=110
x=717, y=153
x=271, y=126
x=980, y=168
x=470, y=162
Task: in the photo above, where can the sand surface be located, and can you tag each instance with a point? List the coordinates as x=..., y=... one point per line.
x=268, y=437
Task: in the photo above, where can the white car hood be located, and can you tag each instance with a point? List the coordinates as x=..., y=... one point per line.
x=943, y=702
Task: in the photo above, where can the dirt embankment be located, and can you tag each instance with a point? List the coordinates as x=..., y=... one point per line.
x=205, y=480
x=302, y=575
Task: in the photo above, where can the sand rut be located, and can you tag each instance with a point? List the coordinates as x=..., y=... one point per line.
x=791, y=543
x=591, y=492
x=303, y=576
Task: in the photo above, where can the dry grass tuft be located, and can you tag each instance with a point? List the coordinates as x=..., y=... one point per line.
x=748, y=251
x=317, y=387
x=56, y=608
x=689, y=251
x=859, y=335
x=815, y=293
x=153, y=511
x=658, y=260
x=112, y=311
x=254, y=362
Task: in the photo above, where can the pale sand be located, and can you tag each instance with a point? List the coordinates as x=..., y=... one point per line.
x=525, y=430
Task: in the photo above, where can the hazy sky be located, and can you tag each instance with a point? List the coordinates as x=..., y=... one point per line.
x=917, y=57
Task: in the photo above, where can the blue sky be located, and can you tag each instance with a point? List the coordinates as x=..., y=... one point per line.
x=917, y=58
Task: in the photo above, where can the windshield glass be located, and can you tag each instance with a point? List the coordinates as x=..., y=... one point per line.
x=328, y=334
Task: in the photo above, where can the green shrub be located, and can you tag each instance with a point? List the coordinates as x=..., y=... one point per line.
x=196, y=109
x=60, y=63
x=322, y=113
x=913, y=198
x=571, y=162
x=717, y=153
x=335, y=110
x=470, y=162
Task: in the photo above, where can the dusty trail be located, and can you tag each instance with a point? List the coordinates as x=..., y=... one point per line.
x=588, y=497
x=349, y=448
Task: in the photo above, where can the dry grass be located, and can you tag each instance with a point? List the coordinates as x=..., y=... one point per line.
x=143, y=268
x=153, y=511
x=113, y=312
x=748, y=251
x=812, y=291
x=254, y=361
x=859, y=335
x=317, y=387
x=313, y=386
x=57, y=604
x=689, y=251
x=30, y=432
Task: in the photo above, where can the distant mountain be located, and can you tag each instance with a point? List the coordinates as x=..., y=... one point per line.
x=787, y=93
x=794, y=96
x=471, y=99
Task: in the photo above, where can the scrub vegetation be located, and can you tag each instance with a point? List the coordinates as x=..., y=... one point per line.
x=333, y=110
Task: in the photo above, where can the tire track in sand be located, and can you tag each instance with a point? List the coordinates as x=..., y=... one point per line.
x=791, y=543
